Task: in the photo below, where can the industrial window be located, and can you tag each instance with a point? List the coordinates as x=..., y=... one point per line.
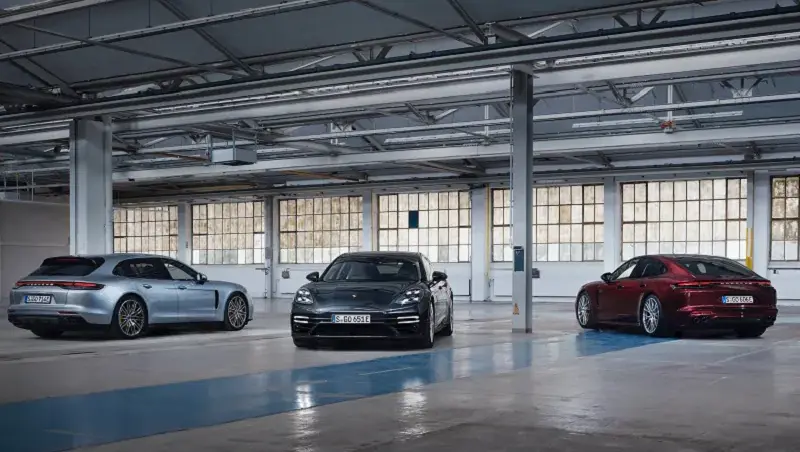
x=150, y=230
x=317, y=230
x=684, y=217
x=435, y=224
x=785, y=199
x=567, y=223
x=228, y=233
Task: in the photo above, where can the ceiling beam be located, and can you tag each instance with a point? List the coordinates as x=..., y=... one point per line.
x=46, y=8
x=742, y=28
x=568, y=146
x=211, y=40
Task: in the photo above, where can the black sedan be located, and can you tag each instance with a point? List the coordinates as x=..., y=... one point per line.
x=388, y=295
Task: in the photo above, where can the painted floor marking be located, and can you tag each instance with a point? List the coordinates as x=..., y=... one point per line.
x=107, y=417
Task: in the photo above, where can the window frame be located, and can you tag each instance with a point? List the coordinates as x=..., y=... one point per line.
x=463, y=228
x=121, y=229
x=732, y=227
x=597, y=245
x=785, y=219
x=211, y=240
x=289, y=230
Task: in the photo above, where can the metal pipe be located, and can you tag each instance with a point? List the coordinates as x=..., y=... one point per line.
x=681, y=32
x=36, y=10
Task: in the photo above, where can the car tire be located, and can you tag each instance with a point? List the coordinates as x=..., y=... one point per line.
x=585, y=312
x=237, y=311
x=47, y=333
x=448, y=329
x=304, y=343
x=652, y=319
x=750, y=332
x=429, y=329
x=130, y=318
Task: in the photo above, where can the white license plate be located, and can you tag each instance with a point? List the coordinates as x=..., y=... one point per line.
x=38, y=299
x=737, y=299
x=344, y=318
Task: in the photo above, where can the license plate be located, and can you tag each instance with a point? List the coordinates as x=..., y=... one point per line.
x=38, y=299
x=737, y=299
x=344, y=318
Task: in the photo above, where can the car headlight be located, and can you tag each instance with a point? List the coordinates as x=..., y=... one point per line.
x=303, y=296
x=410, y=297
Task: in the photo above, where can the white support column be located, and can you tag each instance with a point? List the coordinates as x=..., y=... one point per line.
x=522, y=200
x=759, y=189
x=90, y=194
x=184, y=233
x=271, y=241
x=612, y=229
x=369, y=212
x=481, y=254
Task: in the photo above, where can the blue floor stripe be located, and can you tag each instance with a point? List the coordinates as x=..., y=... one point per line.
x=63, y=423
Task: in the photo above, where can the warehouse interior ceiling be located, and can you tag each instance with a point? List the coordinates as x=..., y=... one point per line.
x=383, y=89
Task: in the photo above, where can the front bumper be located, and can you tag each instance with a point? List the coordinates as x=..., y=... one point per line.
x=711, y=317
x=395, y=324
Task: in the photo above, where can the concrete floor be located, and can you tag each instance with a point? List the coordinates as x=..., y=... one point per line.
x=560, y=389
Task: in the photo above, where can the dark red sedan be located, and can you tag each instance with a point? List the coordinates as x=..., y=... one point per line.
x=667, y=294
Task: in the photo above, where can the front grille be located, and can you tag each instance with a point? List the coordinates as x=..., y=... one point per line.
x=353, y=330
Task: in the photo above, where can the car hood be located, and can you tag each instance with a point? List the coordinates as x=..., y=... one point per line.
x=357, y=295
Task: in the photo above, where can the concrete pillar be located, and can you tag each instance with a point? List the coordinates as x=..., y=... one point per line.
x=522, y=200
x=90, y=194
x=612, y=229
x=185, y=233
x=480, y=221
x=369, y=211
x=759, y=189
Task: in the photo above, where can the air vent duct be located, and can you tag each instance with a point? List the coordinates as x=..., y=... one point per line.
x=233, y=157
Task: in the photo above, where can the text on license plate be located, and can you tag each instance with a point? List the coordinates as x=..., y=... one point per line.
x=345, y=318
x=737, y=299
x=38, y=299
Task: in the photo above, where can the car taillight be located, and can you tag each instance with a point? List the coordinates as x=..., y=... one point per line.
x=694, y=285
x=710, y=284
x=72, y=285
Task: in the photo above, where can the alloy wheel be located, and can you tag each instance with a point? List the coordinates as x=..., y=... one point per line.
x=131, y=318
x=583, y=310
x=650, y=315
x=237, y=312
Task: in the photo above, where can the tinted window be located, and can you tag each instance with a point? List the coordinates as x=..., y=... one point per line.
x=653, y=268
x=368, y=268
x=715, y=267
x=142, y=268
x=428, y=269
x=67, y=266
x=625, y=270
x=179, y=271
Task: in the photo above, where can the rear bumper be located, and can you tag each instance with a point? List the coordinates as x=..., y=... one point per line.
x=58, y=315
x=395, y=325
x=64, y=322
x=725, y=316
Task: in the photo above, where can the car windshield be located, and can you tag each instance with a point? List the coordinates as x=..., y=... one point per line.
x=67, y=266
x=715, y=267
x=359, y=268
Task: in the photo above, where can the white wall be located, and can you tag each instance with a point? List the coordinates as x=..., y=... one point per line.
x=29, y=233
x=249, y=276
x=559, y=281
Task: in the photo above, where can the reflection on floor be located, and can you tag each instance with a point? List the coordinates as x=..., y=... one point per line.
x=561, y=389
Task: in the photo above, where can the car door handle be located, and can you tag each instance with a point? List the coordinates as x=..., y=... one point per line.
x=147, y=286
x=642, y=285
x=620, y=286
x=182, y=287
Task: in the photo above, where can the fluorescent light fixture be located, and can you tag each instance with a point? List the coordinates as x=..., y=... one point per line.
x=676, y=118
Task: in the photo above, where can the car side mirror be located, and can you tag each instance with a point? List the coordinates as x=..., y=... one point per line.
x=313, y=276
x=439, y=276
x=201, y=278
x=606, y=277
